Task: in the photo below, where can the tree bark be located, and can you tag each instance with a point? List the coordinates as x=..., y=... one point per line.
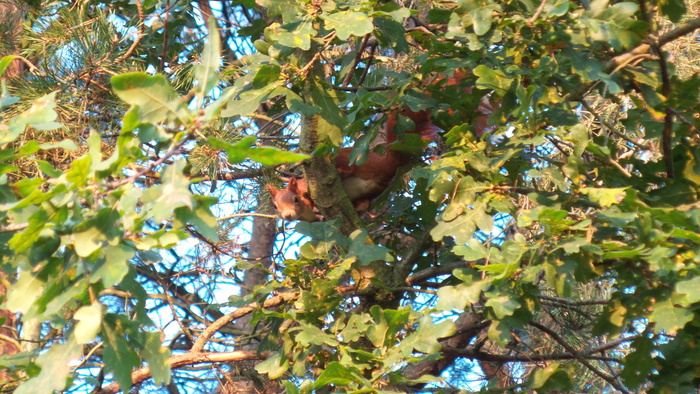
x=11, y=17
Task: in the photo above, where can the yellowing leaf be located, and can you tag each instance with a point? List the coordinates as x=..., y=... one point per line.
x=89, y=321
x=605, y=196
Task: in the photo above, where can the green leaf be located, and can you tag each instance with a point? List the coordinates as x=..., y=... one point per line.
x=56, y=365
x=25, y=239
x=267, y=74
x=156, y=355
x=120, y=358
x=206, y=73
x=202, y=219
x=460, y=296
x=173, y=193
x=338, y=375
x=638, y=364
x=294, y=35
x=287, y=9
x=692, y=290
x=503, y=305
x=79, y=172
x=492, y=80
x=500, y=330
x=113, y=264
x=605, y=196
x=297, y=105
x=5, y=62
x=591, y=69
x=264, y=155
x=96, y=233
x=669, y=318
x=89, y=321
x=674, y=9
x=349, y=23
x=312, y=335
x=19, y=360
x=425, y=339
x=157, y=100
x=332, y=121
x=40, y=113
x=386, y=324
x=356, y=327
x=473, y=252
x=23, y=293
x=249, y=100
x=365, y=251
x=461, y=229
x=482, y=17
x=391, y=33
x=551, y=378
x=275, y=366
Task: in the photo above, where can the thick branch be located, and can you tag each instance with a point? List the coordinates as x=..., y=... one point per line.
x=325, y=186
x=403, y=268
x=238, y=313
x=190, y=358
x=501, y=358
x=469, y=324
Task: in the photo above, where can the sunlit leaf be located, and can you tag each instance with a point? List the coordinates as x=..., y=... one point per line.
x=274, y=366
x=349, y=23
x=89, y=321
x=669, y=318
x=206, y=73
x=55, y=369
x=264, y=154
x=157, y=100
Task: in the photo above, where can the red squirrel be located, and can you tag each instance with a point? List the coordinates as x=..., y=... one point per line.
x=362, y=183
x=365, y=182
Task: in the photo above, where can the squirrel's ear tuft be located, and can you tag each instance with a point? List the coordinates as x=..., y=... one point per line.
x=292, y=184
x=272, y=189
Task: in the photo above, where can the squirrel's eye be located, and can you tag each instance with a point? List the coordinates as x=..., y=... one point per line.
x=296, y=200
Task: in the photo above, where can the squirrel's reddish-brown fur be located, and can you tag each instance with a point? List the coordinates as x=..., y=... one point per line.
x=365, y=182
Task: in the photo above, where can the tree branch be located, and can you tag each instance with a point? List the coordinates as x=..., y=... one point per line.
x=190, y=358
x=436, y=270
x=238, y=313
x=139, y=36
x=579, y=357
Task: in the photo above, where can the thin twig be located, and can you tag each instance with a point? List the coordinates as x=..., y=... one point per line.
x=166, y=37
x=367, y=88
x=137, y=40
x=566, y=301
x=10, y=340
x=243, y=215
x=13, y=227
x=612, y=129
x=367, y=66
x=356, y=61
x=537, y=13
x=87, y=356
x=578, y=356
x=174, y=150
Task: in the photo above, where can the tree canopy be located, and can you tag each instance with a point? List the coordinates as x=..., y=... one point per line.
x=548, y=243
